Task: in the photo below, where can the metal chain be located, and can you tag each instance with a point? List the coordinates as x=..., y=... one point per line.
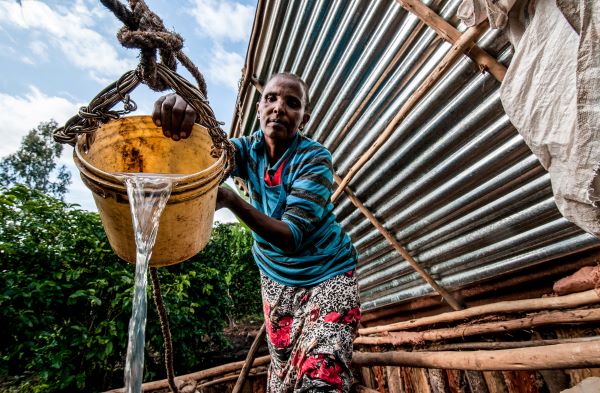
x=98, y=112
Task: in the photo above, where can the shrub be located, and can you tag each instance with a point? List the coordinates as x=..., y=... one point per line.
x=65, y=298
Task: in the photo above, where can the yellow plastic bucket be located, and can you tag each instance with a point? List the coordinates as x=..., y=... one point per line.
x=134, y=144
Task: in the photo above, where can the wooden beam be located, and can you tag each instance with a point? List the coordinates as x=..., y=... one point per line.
x=199, y=375
x=465, y=42
x=449, y=33
x=560, y=356
x=470, y=346
x=230, y=378
x=249, y=359
x=531, y=321
x=527, y=305
x=392, y=240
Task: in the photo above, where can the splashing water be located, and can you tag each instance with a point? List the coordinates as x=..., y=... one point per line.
x=148, y=195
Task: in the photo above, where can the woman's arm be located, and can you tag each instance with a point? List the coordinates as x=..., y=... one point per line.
x=273, y=231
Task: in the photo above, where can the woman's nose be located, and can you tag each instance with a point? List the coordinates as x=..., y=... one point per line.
x=278, y=106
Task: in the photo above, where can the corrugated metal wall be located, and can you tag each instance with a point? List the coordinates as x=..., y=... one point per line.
x=455, y=184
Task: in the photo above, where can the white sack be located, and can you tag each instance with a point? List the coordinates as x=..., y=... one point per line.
x=473, y=12
x=551, y=94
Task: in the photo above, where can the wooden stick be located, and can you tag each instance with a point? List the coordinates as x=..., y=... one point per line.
x=550, y=318
x=249, y=359
x=198, y=375
x=549, y=357
x=228, y=379
x=508, y=344
x=548, y=303
x=450, y=34
x=392, y=240
x=465, y=42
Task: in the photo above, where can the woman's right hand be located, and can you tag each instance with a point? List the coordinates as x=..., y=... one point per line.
x=174, y=115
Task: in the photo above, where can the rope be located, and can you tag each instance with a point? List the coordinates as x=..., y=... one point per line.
x=164, y=327
x=145, y=30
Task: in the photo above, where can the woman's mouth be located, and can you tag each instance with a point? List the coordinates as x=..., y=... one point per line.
x=277, y=123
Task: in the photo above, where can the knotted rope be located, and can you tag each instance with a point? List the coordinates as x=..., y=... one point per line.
x=143, y=29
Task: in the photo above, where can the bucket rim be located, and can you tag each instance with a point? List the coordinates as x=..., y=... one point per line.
x=216, y=169
x=179, y=191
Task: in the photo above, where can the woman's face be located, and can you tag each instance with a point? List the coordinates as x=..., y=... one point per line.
x=281, y=109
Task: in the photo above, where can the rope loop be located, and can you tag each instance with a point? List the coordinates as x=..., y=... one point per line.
x=145, y=30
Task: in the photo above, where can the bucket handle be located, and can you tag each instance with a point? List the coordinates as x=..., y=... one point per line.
x=99, y=111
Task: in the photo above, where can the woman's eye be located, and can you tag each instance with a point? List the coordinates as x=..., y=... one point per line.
x=270, y=98
x=293, y=103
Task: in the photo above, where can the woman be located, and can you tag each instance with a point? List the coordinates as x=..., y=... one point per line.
x=306, y=260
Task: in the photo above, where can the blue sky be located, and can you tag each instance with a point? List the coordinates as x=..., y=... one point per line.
x=56, y=55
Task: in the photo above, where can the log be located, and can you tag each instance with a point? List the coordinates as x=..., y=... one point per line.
x=578, y=355
x=198, y=375
x=495, y=381
x=229, y=379
x=587, y=277
x=437, y=381
x=550, y=318
x=249, y=359
x=476, y=382
x=507, y=344
x=527, y=305
x=394, y=380
x=457, y=382
x=419, y=380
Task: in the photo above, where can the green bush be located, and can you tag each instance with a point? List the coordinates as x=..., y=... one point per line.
x=65, y=298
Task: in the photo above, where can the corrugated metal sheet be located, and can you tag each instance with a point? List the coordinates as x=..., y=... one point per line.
x=455, y=184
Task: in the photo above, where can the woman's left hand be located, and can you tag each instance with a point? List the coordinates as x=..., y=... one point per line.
x=223, y=198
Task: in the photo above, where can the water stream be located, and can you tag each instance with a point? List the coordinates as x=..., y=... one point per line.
x=148, y=195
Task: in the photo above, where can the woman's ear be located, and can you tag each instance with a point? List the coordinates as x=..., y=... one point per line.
x=305, y=118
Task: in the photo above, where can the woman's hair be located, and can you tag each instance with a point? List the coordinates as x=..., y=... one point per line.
x=299, y=80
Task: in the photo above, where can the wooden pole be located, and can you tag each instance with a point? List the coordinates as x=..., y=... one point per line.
x=527, y=305
x=249, y=359
x=199, y=375
x=508, y=344
x=392, y=240
x=580, y=355
x=464, y=43
x=450, y=34
x=542, y=319
x=227, y=379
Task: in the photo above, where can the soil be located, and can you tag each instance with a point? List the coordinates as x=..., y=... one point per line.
x=241, y=336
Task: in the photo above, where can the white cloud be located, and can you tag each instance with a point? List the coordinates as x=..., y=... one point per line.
x=39, y=49
x=224, y=20
x=69, y=31
x=226, y=67
x=26, y=112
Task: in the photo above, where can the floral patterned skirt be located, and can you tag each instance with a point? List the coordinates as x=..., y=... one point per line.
x=309, y=333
